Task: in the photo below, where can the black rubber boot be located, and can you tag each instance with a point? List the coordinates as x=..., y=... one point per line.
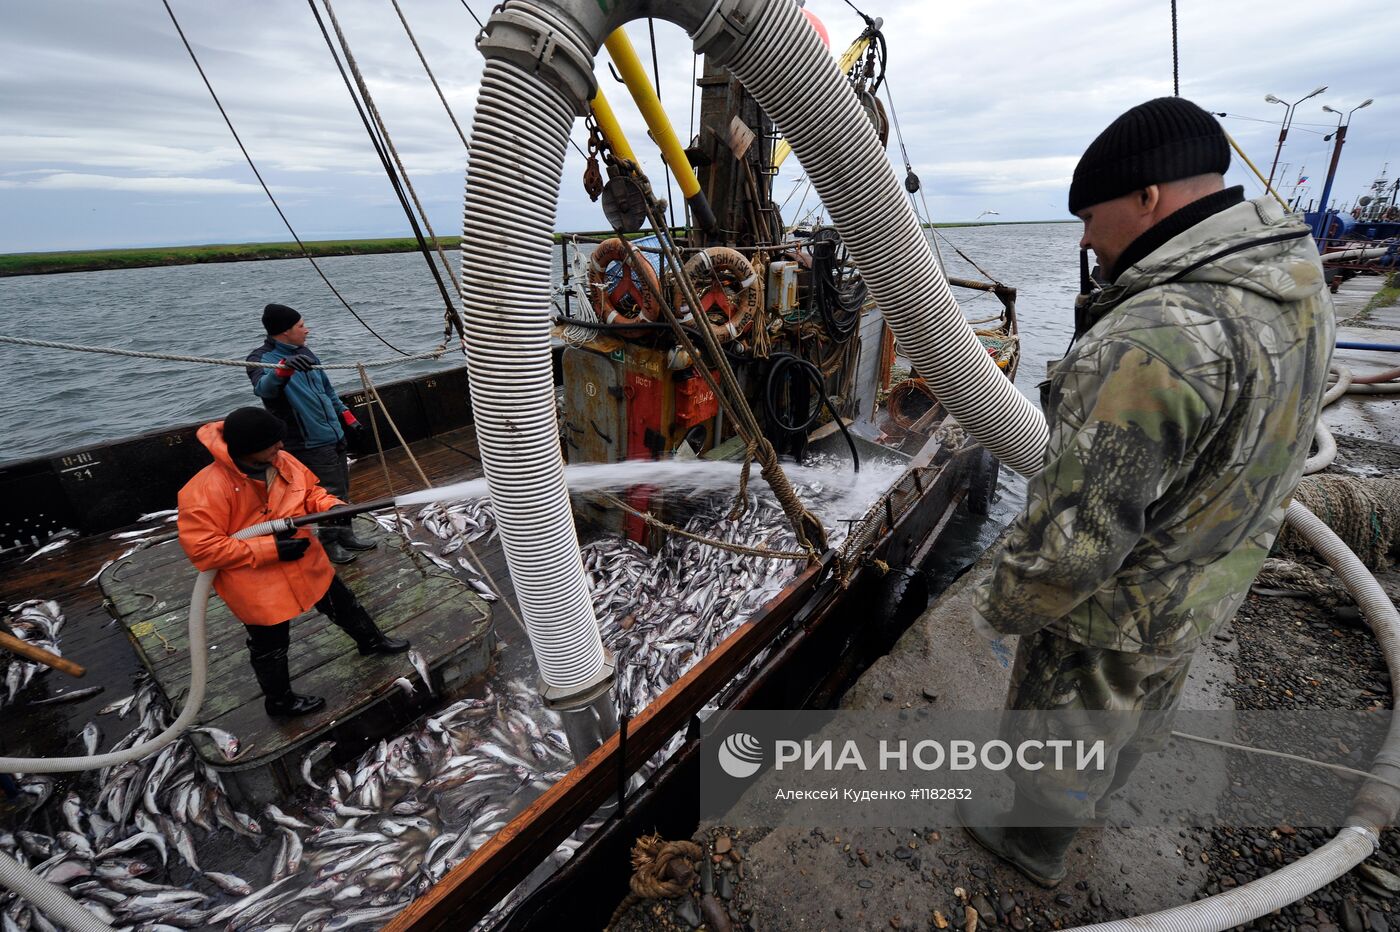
x=1038, y=852
x=270, y=668
x=356, y=622
x=349, y=541
x=335, y=550
x=1128, y=759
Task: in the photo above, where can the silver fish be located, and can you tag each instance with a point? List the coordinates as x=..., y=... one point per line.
x=229, y=883
x=404, y=684
x=421, y=666
x=47, y=548
x=74, y=696
x=91, y=736
x=312, y=757
x=141, y=838
x=280, y=818
x=226, y=742
x=122, y=707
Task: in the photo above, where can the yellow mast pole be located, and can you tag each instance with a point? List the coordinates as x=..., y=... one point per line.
x=635, y=77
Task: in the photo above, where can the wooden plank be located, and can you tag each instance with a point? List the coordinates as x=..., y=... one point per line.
x=348, y=682
x=478, y=883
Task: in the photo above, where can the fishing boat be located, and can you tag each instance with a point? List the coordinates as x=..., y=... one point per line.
x=814, y=390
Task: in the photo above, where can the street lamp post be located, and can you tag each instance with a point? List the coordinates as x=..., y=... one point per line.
x=1343, y=123
x=1287, y=121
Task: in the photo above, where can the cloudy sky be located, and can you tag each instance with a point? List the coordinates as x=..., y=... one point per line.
x=110, y=139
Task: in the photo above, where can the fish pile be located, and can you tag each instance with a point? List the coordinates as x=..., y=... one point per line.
x=455, y=525
x=35, y=622
x=364, y=843
x=122, y=831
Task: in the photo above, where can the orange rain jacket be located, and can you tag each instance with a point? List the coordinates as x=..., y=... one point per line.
x=220, y=501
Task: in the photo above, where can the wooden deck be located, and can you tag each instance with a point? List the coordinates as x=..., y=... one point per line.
x=447, y=622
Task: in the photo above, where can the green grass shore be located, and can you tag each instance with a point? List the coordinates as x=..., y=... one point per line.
x=91, y=260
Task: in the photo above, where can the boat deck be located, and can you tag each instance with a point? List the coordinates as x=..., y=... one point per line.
x=443, y=617
x=446, y=621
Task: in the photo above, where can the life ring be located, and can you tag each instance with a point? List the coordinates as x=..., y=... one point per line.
x=631, y=297
x=728, y=288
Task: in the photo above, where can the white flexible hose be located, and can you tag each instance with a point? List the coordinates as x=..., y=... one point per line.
x=56, y=903
x=1345, y=378
x=199, y=670
x=1326, y=450
x=1376, y=805
x=514, y=166
x=784, y=64
x=49, y=898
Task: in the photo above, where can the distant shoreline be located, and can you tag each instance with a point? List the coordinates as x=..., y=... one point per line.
x=96, y=260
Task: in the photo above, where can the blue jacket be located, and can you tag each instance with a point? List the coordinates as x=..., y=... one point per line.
x=305, y=401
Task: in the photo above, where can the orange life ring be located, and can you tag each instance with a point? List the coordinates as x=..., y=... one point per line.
x=632, y=297
x=728, y=288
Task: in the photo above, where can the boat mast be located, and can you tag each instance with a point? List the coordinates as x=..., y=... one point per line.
x=733, y=156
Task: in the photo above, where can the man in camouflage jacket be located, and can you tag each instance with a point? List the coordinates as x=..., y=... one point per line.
x=1179, y=423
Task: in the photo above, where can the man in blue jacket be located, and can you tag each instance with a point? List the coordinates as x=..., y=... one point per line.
x=317, y=420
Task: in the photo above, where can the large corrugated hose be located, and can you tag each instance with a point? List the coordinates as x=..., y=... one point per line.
x=515, y=163
x=512, y=189
x=792, y=75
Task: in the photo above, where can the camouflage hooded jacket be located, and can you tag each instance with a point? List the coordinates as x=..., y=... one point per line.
x=1179, y=423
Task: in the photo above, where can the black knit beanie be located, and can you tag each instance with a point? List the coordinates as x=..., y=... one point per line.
x=278, y=318
x=248, y=430
x=1153, y=143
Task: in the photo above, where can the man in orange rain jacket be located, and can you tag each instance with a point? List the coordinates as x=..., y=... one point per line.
x=267, y=581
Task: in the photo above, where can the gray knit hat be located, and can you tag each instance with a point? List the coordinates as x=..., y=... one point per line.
x=1153, y=143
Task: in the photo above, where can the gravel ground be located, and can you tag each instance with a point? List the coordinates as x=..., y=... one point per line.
x=1285, y=653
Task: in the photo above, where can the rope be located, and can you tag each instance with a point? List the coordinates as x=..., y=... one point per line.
x=741, y=501
x=1176, y=65
x=651, y=858
x=476, y=561
x=266, y=190
x=1285, y=756
x=745, y=424
x=210, y=361
x=715, y=542
x=400, y=523
x=451, y=316
x=431, y=76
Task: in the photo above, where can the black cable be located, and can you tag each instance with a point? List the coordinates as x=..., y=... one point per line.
x=285, y=222
x=837, y=290
x=778, y=370
x=453, y=318
x=1176, y=66
x=656, y=77
x=479, y=23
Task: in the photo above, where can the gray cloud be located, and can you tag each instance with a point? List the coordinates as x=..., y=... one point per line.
x=112, y=140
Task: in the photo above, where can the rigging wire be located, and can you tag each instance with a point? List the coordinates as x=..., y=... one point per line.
x=474, y=16
x=266, y=190
x=1176, y=64
x=431, y=77
x=656, y=78
x=451, y=315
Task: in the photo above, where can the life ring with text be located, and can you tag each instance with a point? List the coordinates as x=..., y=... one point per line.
x=728, y=289
x=626, y=293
